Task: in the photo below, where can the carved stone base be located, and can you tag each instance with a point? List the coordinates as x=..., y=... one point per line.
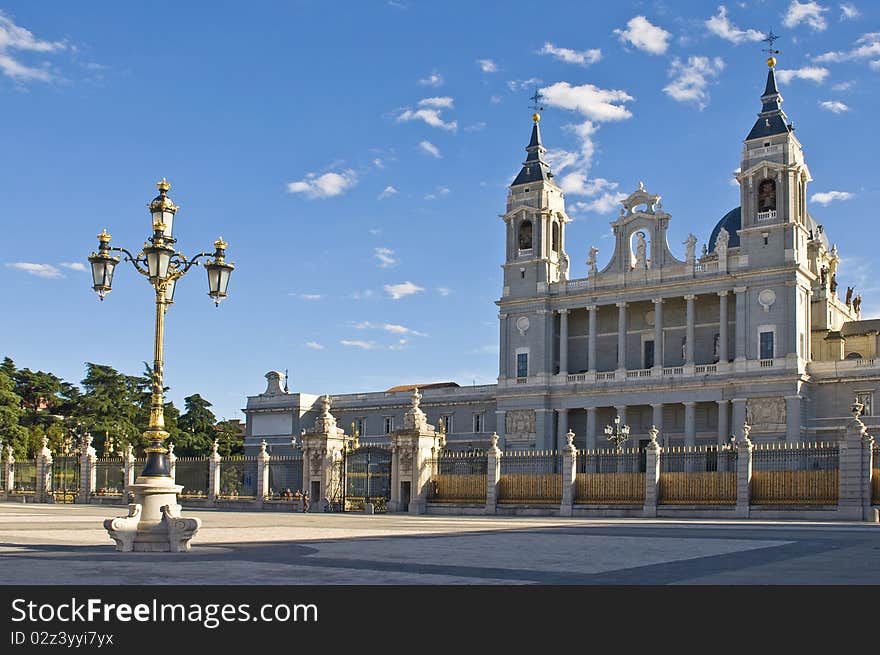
x=153, y=523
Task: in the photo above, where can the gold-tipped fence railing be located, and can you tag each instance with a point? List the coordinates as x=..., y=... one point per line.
x=533, y=477
x=459, y=477
x=795, y=474
x=610, y=477
x=698, y=476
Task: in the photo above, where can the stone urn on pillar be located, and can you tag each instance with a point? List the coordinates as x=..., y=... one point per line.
x=415, y=450
x=322, y=453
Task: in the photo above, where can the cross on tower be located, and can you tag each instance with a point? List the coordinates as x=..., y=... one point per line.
x=536, y=101
x=771, y=37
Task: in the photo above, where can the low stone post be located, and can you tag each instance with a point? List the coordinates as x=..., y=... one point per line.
x=88, y=473
x=262, y=473
x=743, y=473
x=493, y=475
x=9, y=464
x=43, y=492
x=172, y=462
x=322, y=458
x=128, y=468
x=569, y=475
x=213, y=473
x=652, y=474
x=854, y=476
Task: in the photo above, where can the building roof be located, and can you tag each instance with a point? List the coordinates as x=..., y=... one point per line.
x=429, y=385
x=534, y=169
x=853, y=328
x=772, y=120
x=731, y=221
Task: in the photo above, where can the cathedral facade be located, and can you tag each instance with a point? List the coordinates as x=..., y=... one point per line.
x=753, y=329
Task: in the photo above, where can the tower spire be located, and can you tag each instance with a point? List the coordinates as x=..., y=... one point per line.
x=772, y=119
x=534, y=167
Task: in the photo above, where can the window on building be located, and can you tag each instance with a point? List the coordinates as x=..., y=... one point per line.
x=867, y=400
x=767, y=195
x=766, y=345
x=389, y=424
x=555, y=238
x=522, y=365
x=525, y=235
x=478, y=422
x=648, y=354
x=448, y=424
x=360, y=426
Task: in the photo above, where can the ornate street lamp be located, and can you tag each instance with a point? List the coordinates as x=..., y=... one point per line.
x=162, y=265
x=617, y=433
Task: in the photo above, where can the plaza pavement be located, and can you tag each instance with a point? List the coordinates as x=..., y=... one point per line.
x=66, y=544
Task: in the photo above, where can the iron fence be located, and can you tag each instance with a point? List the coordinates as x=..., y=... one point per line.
x=610, y=477
x=110, y=476
x=698, y=476
x=2, y=476
x=238, y=478
x=368, y=476
x=285, y=476
x=875, y=476
x=64, y=478
x=25, y=476
x=192, y=473
x=797, y=474
x=458, y=478
x=531, y=477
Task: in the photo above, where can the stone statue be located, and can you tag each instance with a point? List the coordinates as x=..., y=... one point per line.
x=705, y=251
x=641, y=252
x=563, y=266
x=834, y=283
x=690, y=248
x=591, y=260
x=849, y=293
x=684, y=347
x=823, y=277
x=857, y=303
x=722, y=240
x=716, y=350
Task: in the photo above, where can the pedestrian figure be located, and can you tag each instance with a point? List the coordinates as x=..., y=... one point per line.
x=306, y=501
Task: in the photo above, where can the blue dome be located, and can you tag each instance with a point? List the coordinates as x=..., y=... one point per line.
x=732, y=222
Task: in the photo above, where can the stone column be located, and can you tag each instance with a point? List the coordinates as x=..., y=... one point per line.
x=743, y=471
x=689, y=333
x=652, y=474
x=690, y=423
x=738, y=417
x=262, y=473
x=395, y=505
x=793, y=418
x=128, y=464
x=562, y=427
x=44, y=473
x=88, y=474
x=591, y=338
x=9, y=465
x=322, y=455
x=503, y=355
x=591, y=427
x=854, y=478
x=657, y=416
x=569, y=474
x=723, y=421
x=740, y=334
x=493, y=474
x=213, y=473
x=172, y=461
x=545, y=437
x=658, y=337
x=722, y=327
x=563, y=342
x=621, y=336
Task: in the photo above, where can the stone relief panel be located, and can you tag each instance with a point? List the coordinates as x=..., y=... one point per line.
x=765, y=414
x=520, y=421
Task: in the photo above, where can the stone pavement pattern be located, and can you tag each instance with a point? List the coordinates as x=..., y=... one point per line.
x=66, y=544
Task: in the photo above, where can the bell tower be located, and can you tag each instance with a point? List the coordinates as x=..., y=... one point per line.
x=535, y=226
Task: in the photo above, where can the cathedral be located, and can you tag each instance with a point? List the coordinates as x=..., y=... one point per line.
x=753, y=329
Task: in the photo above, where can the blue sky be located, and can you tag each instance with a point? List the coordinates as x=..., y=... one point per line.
x=356, y=155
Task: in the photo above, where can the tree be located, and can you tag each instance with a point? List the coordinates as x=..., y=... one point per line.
x=230, y=438
x=8, y=367
x=108, y=405
x=196, y=428
x=11, y=431
x=39, y=394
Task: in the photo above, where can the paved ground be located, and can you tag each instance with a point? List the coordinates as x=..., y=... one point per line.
x=65, y=544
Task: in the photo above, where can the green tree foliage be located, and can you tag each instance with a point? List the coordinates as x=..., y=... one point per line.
x=230, y=438
x=109, y=404
x=195, y=428
x=11, y=431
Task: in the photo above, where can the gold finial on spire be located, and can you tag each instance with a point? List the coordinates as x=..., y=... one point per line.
x=163, y=184
x=104, y=237
x=536, y=118
x=220, y=244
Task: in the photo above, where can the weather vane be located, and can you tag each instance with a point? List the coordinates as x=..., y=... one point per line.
x=771, y=38
x=536, y=101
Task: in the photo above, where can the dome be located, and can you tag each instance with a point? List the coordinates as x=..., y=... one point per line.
x=732, y=222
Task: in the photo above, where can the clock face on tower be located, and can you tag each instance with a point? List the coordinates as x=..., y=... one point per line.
x=766, y=196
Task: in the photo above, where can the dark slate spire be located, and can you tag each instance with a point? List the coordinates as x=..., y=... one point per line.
x=534, y=169
x=772, y=120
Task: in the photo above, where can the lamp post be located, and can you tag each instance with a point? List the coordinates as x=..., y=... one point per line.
x=349, y=445
x=617, y=433
x=163, y=266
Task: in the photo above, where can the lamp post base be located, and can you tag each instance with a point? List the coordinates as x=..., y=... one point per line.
x=153, y=524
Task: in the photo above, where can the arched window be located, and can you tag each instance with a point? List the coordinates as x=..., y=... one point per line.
x=767, y=195
x=525, y=235
x=554, y=243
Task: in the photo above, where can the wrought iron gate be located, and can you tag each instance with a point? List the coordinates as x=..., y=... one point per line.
x=367, y=474
x=65, y=479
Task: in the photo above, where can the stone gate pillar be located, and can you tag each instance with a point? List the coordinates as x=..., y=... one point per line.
x=417, y=445
x=493, y=475
x=88, y=473
x=9, y=464
x=569, y=474
x=854, y=477
x=743, y=472
x=322, y=455
x=42, y=493
x=128, y=467
x=213, y=473
x=262, y=473
x=652, y=474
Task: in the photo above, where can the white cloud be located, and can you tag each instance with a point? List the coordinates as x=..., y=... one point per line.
x=487, y=65
x=400, y=345
x=691, y=80
x=588, y=100
x=314, y=345
x=441, y=191
x=39, y=270
x=522, y=85
x=434, y=79
x=444, y=291
x=815, y=74
x=828, y=197
x=429, y=115
x=875, y=65
x=720, y=25
x=398, y=291
x=843, y=86
x=479, y=126
x=378, y=163
x=440, y=102
x=326, y=185
x=867, y=47
x=806, y=12
x=363, y=295
x=569, y=56
x=15, y=37
x=834, y=106
x=642, y=34
x=604, y=204
x=430, y=148
x=849, y=11
x=309, y=296
x=387, y=192
x=385, y=257
x=401, y=329
x=366, y=345
x=73, y=266
x=495, y=99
